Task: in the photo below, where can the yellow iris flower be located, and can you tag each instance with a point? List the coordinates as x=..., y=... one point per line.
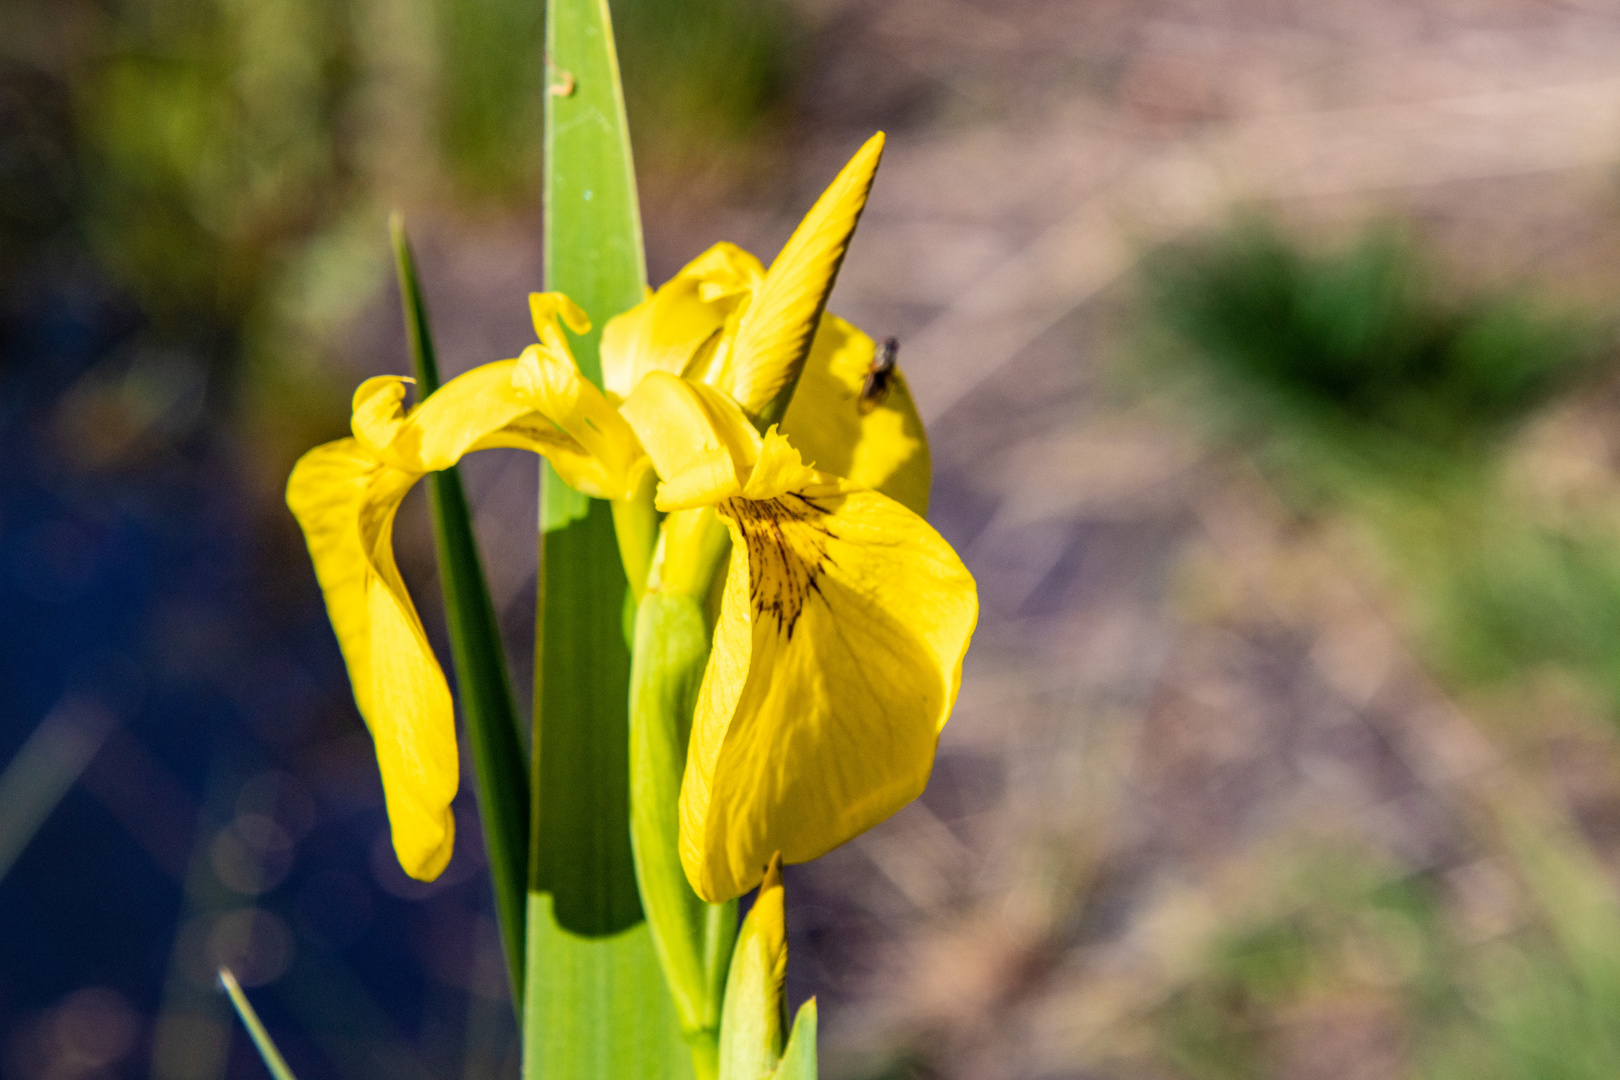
x=844, y=618
x=345, y=495
x=838, y=650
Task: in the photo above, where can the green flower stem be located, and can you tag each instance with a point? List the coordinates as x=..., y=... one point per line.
x=693, y=939
x=487, y=705
x=692, y=547
x=635, y=524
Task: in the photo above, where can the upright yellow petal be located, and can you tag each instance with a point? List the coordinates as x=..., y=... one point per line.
x=665, y=331
x=774, y=335
x=345, y=501
x=884, y=447
x=836, y=661
x=547, y=309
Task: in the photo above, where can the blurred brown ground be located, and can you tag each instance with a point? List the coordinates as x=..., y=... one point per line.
x=1174, y=683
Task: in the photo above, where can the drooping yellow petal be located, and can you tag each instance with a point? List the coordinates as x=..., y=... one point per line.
x=836, y=661
x=665, y=331
x=412, y=721
x=884, y=447
x=774, y=335
x=325, y=493
x=464, y=412
x=495, y=405
x=346, y=494
x=345, y=501
x=574, y=464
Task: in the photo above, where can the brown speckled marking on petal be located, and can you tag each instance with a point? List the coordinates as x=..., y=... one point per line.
x=787, y=550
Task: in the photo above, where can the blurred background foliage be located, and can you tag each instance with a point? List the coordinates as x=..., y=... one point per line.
x=226, y=163
x=1367, y=385
x=1461, y=999
x=1377, y=393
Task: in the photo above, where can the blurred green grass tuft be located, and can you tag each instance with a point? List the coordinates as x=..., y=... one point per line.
x=1370, y=390
x=1360, y=948
x=1356, y=360
x=704, y=77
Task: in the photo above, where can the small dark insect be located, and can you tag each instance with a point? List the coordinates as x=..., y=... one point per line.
x=878, y=376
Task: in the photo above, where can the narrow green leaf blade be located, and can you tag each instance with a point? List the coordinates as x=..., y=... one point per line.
x=596, y=1003
x=487, y=705
x=250, y=1020
x=592, y=1011
x=581, y=827
x=593, y=245
x=582, y=663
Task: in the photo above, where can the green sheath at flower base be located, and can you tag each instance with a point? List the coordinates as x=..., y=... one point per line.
x=751, y=1025
x=693, y=939
x=752, y=1021
x=799, y=1059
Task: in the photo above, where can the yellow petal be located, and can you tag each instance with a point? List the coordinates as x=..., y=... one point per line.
x=485, y=408
x=883, y=448
x=547, y=377
x=379, y=413
x=775, y=333
x=836, y=660
x=325, y=493
x=574, y=464
x=665, y=331
x=345, y=501
x=700, y=443
x=778, y=470
x=463, y=413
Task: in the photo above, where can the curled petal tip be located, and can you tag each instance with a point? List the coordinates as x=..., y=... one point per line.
x=547, y=308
